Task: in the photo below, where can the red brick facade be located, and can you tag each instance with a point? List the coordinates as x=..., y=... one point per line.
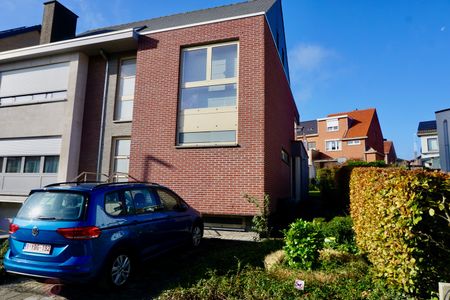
x=280, y=116
x=214, y=179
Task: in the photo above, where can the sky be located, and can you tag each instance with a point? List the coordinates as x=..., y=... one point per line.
x=343, y=55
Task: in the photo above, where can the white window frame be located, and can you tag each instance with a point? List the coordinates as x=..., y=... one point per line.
x=116, y=157
x=121, y=99
x=313, y=148
x=207, y=83
x=338, y=145
x=437, y=144
x=333, y=127
x=354, y=142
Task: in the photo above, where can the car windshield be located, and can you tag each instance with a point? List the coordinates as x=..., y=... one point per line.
x=65, y=206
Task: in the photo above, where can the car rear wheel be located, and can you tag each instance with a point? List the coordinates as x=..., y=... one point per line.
x=197, y=234
x=119, y=270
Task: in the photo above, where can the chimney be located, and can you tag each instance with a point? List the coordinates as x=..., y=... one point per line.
x=58, y=23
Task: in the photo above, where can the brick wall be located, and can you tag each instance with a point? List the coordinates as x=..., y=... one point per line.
x=375, y=136
x=280, y=115
x=211, y=179
x=92, y=115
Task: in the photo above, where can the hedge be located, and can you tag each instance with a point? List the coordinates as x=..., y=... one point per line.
x=400, y=223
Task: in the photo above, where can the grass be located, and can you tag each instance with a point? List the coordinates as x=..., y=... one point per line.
x=341, y=276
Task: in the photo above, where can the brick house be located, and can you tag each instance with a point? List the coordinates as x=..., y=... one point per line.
x=198, y=101
x=354, y=135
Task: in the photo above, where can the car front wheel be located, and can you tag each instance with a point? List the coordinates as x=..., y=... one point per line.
x=197, y=234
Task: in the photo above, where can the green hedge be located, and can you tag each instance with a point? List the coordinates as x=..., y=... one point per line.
x=399, y=221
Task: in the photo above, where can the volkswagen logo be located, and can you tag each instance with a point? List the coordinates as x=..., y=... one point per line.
x=35, y=231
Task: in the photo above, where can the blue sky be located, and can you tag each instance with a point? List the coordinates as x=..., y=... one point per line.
x=343, y=55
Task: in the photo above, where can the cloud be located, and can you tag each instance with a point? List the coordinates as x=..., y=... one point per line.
x=309, y=57
x=311, y=66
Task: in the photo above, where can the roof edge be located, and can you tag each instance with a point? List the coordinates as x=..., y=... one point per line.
x=202, y=23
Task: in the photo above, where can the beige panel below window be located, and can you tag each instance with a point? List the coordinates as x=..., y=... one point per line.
x=191, y=121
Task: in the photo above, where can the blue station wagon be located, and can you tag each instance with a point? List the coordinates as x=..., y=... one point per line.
x=77, y=232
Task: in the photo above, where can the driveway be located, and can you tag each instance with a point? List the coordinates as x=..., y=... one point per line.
x=181, y=267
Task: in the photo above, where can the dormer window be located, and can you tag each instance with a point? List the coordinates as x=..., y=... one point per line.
x=333, y=125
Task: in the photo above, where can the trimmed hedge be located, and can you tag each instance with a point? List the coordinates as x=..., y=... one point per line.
x=399, y=221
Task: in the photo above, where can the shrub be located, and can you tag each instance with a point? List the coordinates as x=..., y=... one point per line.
x=339, y=234
x=394, y=214
x=260, y=223
x=303, y=240
x=3, y=248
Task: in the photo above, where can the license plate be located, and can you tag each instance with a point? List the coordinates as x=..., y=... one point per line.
x=37, y=248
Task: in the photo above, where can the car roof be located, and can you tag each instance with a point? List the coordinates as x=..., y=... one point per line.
x=91, y=186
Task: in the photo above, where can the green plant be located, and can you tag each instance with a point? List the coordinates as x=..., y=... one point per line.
x=260, y=222
x=303, y=240
x=395, y=226
x=3, y=248
x=360, y=163
x=339, y=234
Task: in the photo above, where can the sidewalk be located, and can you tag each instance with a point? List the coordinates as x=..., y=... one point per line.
x=231, y=235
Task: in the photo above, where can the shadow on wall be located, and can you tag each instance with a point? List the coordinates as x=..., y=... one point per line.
x=147, y=43
x=151, y=160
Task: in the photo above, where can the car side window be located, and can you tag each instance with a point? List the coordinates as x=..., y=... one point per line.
x=114, y=205
x=129, y=201
x=169, y=200
x=145, y=201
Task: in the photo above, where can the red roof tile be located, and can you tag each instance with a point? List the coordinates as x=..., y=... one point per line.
x=360, y=122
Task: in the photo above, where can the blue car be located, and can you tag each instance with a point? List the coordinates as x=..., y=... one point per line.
x=78, y=232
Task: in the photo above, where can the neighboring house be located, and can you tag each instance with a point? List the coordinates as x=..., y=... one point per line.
x=198, y=101
x=442, y=125
x=429, y=144
x=390, y=157
x=354, y=135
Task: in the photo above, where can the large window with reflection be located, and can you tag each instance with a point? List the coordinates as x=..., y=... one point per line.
x=208, y=95
x=125, y=94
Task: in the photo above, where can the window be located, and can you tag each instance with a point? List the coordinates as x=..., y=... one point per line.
x=116, y=205
x=354, y=142
x=208, y=95
x=53, y=206
x=125, y=95
x=169, y=200
x=333, y=125
x=1, y=164
x=311, y=146
x=44, y=83
x=334, y=145
x=13, y=164
x=121, y=159
x=32, y=164
x=51, y=164
x=432, y=144
x=145, y=201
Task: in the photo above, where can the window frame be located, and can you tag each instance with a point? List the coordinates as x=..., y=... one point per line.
x=428, y=144
x=332, y=128
x=116, y=157
x=120, y=99
x=311, y=148
x=338, y=148
x=353, y=142
x=208, y=82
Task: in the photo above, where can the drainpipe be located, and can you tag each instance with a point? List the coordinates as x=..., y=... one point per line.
x=103, y=116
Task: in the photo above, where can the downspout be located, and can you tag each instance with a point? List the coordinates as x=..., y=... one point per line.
x=103, y=116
